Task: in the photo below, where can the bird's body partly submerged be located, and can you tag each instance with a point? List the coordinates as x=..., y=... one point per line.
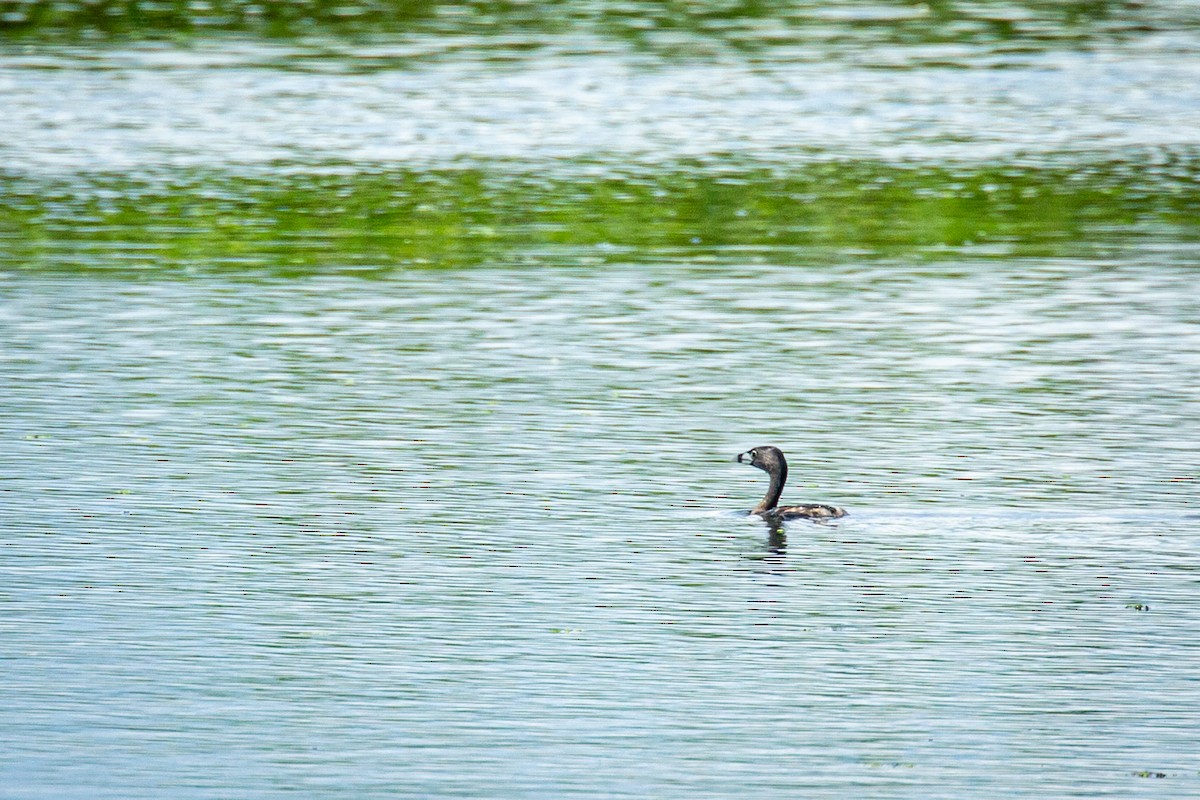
x=771, y=461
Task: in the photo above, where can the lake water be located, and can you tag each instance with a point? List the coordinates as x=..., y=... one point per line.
x=369, y=409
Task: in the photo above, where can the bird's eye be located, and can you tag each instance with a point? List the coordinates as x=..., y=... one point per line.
x=754, y=454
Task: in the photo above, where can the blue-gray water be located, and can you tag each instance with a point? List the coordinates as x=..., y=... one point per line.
x=470, y=530
x=245, y=103
x=468, y=533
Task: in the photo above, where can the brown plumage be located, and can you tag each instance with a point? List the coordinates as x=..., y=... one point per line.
x=771, y=461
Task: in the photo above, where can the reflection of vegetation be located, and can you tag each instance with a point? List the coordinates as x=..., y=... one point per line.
x=149, y=16
x=460, y=218
x=743, y=23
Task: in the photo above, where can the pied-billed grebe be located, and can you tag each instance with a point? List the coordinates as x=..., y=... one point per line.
x=771, y=461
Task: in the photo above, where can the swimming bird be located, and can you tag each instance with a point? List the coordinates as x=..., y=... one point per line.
x=771, y=461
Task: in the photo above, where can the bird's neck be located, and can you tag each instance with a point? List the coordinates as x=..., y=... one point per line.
x=778, y=478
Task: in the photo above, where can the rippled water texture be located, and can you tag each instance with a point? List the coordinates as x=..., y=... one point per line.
x=369, y=405
x=156, y=106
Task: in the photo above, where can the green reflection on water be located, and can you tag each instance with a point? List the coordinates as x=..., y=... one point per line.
x=745, y=24
x=461, y=218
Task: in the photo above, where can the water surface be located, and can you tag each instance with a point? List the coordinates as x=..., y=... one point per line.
x=369, y=405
